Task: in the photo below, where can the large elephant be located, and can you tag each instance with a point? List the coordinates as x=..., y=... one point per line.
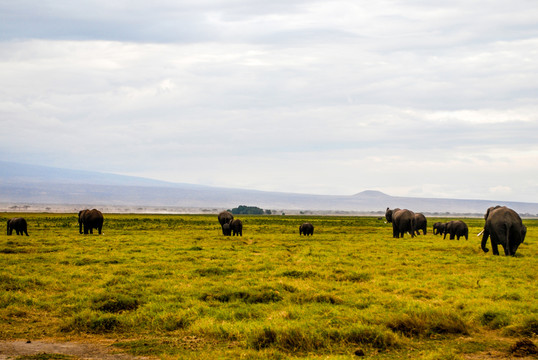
x=90, y=219
x=457, y=229
x=402, y=220
x=19, y=225
x=237, y=227
x=420, y=223
x=225, y=217
x=439, y=228
x=306, y=229
x=504, y=227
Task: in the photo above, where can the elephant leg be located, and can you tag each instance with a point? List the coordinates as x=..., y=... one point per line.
x=494, y=247
x=506, y=246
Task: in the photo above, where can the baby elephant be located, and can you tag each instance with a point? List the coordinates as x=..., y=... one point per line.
x=236, y=227
x=306, y=229
x=17, y=224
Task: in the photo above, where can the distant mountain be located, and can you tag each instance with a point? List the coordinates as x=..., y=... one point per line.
x=29, y=184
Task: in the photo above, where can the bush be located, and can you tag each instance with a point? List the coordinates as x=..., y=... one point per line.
x=262, y=339
x=91, y=322
x=494, y=319
x=428, y=324
x=115, y=303
x=264, y=296
x=529, y=327
x=247, y=210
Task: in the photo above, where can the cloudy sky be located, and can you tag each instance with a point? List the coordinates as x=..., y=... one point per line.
x=412, y=98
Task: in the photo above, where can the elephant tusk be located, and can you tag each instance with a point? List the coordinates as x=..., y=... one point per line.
x=480, y=233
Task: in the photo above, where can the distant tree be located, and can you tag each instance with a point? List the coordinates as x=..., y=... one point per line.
x=267, y=212
x=247, y=210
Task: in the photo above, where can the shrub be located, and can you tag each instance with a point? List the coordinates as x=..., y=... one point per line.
x=213, y=271
x=299, y=339
x=264, y=296
x=299, y=274
x=494, y=319
x=261, y=339
x=303, y=298
x=428, y=323
x=172, y=322
x=370, y=335
x=529, y=327
x=91, y=322
x=115, y=303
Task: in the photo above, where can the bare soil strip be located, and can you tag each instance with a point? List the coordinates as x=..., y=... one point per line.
x=13, y=349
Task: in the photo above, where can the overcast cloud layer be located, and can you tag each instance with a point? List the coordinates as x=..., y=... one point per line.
x=414, y=98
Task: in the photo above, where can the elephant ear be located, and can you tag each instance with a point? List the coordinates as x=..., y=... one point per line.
x=487, y=213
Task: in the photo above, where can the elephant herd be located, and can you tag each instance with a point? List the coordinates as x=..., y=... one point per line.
x=87, y=221
x=231, y=226
x=503, y=227
x=455, y=228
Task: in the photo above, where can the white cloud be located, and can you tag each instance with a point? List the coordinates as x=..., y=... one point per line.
x=325, y=97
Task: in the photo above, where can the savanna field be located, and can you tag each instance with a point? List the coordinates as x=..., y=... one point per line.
x=172, y=287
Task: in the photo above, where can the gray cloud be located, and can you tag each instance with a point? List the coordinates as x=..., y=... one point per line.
x=338, y=97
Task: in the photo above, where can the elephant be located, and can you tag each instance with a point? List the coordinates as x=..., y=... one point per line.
x=420, y=223
x=504, y=227
x=439, y=228
x=90, y=219
x=306, y=229
x=19, y=225
x=237, y=227
x=457, y=229
x=402, y=220
x=225, y=217
x=226, y=229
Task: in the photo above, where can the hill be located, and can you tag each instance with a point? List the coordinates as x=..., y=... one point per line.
x=41, y=187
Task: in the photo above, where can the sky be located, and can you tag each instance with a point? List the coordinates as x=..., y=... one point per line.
x=413, y=98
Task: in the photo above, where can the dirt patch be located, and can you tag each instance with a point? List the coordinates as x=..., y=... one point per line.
x=523, y=347
x=13, y=349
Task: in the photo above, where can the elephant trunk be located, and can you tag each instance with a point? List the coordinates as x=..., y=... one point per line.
x=484, y=241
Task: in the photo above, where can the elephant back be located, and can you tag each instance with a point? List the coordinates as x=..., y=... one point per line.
x=225, y=217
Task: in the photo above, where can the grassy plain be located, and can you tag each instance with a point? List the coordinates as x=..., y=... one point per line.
x=171, y=286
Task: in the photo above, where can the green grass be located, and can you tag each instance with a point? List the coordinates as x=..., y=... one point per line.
x=172, y=286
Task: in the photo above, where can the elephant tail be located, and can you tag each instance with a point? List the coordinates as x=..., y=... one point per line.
x=412, y=226
x=485, y=236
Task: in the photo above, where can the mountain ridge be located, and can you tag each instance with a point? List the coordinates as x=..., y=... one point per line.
x=36, y=184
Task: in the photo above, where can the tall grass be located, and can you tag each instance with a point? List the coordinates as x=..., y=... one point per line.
x=173, y=286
